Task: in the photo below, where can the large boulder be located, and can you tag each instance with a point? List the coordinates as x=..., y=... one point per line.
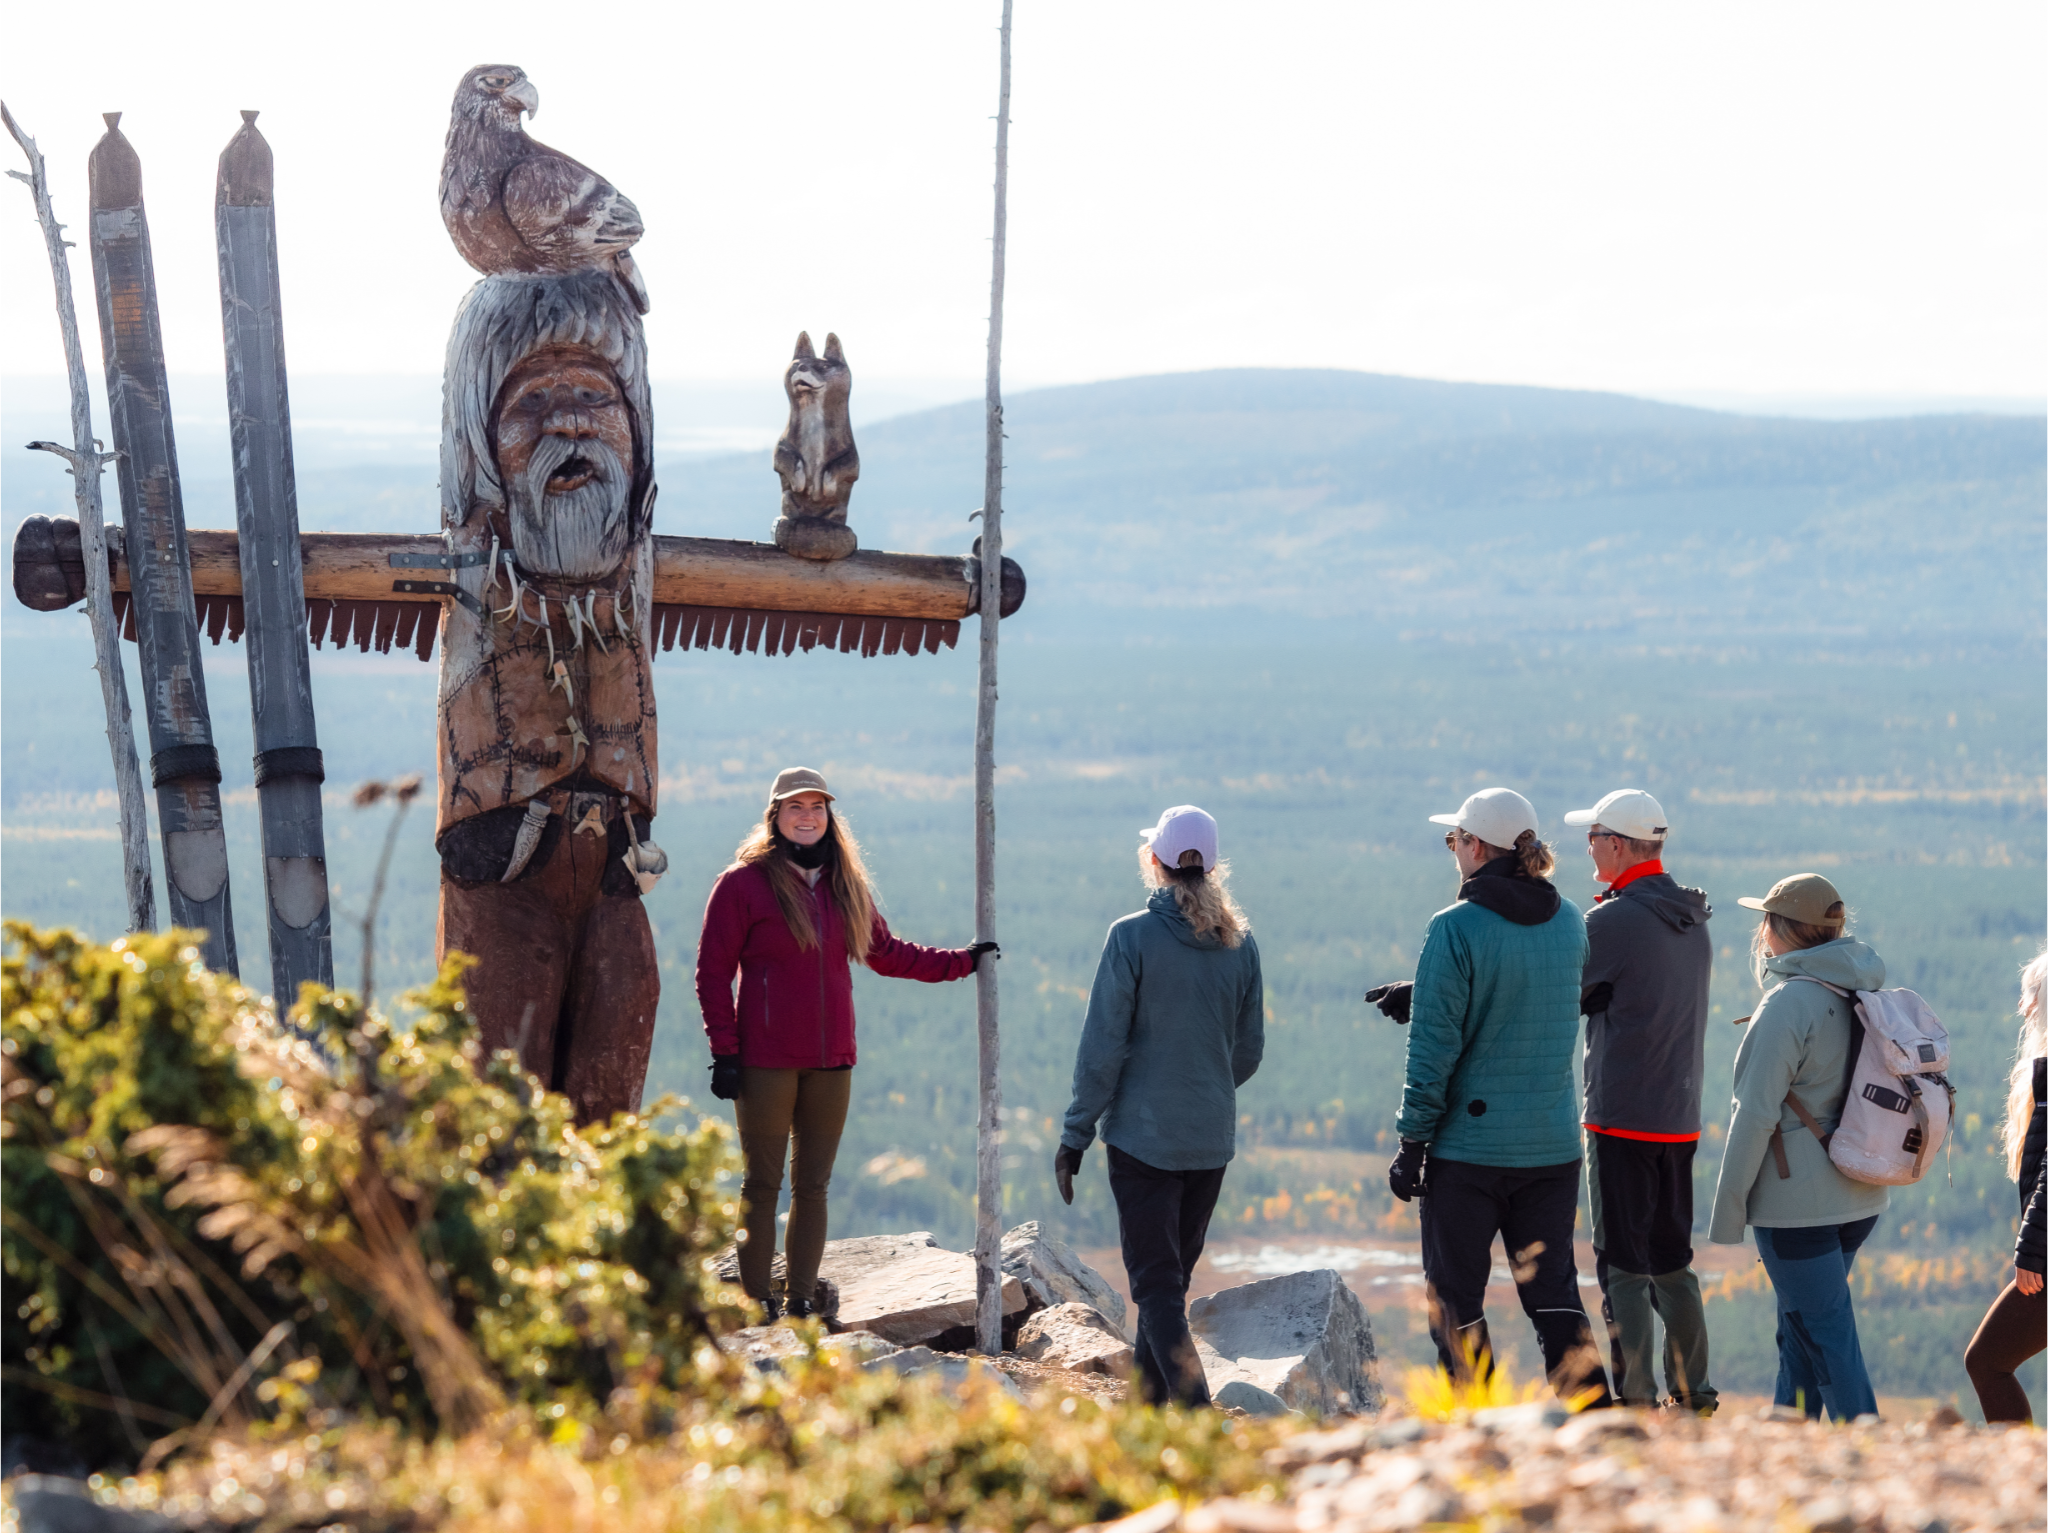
x=1303, y=1337
x=1052, y=1274
x=1076, y=1337
x=914, y=1295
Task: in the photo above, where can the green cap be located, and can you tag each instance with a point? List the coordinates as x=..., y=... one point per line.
x=1804, y=897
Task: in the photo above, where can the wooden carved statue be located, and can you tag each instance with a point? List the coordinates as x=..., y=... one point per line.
x=548, y=764
x=815, y=459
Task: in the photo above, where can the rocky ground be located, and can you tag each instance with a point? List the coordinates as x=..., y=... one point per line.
x=1532, y=1467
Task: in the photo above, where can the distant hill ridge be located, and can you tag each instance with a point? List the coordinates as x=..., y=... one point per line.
x=1404, y=502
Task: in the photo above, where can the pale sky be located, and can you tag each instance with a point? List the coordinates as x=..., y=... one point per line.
x=1763, y=199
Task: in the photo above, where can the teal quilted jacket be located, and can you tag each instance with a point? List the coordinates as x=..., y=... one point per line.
x=1493, y=1027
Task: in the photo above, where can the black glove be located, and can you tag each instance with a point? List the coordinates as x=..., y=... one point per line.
x=1066, y=1164
x=1597, y=999
x=725, y=1077
x=1393, y=1000
x=978, y=948
x=1408, y=1176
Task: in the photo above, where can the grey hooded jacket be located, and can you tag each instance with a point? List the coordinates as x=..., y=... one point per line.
x=1646, y=1052
x=1176, y=1023
x=1797, y=1041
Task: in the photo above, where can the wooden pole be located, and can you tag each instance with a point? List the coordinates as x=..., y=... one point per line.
x=988, y=1145
x=184, y=767
x=87, y=463
x=288, y=765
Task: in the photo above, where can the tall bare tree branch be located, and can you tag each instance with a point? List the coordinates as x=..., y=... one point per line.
x=87, y=462
x=988, y=1204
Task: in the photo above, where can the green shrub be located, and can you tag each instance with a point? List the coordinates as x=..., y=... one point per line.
x=215, y=1217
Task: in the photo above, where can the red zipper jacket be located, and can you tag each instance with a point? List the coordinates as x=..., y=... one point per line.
x=795, y=1007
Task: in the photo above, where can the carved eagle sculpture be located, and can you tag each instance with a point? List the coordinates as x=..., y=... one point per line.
x=512, y=204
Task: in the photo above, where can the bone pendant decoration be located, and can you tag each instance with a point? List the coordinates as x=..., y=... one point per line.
x=815, y=459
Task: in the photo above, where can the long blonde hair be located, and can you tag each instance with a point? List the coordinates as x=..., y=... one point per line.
x=2019, y=1099
x=766, y=849
x=1204, y=898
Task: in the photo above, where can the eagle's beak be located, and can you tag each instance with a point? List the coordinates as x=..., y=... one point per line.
x=527, y=95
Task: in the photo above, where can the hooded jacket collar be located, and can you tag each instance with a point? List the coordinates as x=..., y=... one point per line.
x=1676, y=905
x=1503, y=888
x=1847, y=962
x=1163, y=905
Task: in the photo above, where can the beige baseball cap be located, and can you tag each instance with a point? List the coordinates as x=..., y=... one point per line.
x=1804, y=897
x=791, y=781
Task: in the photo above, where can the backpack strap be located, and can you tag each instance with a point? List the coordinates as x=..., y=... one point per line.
x=1778, y=1135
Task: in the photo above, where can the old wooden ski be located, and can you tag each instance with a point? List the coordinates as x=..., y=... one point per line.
x=288, y=764
x=184, y=767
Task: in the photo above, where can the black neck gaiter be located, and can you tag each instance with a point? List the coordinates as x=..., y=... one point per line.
x=813, y=856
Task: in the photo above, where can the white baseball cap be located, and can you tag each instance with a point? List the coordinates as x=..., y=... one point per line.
x=1183, y=828
x=1495, y=815
x=1627, y=811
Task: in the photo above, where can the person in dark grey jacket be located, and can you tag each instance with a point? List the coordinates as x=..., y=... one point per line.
x=1176, y=1023
x=1645, y=1003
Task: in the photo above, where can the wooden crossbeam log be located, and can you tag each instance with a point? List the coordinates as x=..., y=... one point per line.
x=709, y=593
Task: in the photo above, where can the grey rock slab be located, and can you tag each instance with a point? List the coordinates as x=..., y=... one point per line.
x=1241, y=1394
x=1303, y=1336
x=1076, y=1337
x=950, y=1368
x=47, y=1503
x=915, y=1294
x=1053, y=1274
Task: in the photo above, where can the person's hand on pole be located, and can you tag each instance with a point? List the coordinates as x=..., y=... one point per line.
x=1066, y=1163
x=1392, y=1000
x=978, y=948
x=1408, y=1176
x=726, y=1077
x=2028, y=1283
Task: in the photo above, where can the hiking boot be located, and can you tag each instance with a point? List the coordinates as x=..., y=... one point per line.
x=771, y=1309
x=802, y=1309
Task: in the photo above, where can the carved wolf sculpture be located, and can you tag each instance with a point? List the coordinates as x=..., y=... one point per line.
x=548, y=764
x=816, y=459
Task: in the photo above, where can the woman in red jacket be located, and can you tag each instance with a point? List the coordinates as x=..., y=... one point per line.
x=789, y=918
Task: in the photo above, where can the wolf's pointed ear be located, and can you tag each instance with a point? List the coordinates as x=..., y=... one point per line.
x=803, y=348
x=832, y=351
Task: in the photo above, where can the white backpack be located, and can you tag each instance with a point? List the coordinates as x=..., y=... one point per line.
x=1893, y=1118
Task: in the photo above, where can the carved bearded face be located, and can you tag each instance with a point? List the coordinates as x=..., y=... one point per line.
x=565, y=457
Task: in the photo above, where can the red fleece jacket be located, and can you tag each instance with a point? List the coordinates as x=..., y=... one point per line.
x=795, y=1006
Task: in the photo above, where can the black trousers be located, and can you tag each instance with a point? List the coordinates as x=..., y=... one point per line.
x=1533, y=1210
x=1641, y=1195
x=1163, y=1221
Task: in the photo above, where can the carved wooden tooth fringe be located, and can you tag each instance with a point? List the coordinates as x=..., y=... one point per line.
x=416, y=625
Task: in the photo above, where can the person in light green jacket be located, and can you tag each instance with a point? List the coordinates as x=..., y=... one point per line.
x=1776, y=1177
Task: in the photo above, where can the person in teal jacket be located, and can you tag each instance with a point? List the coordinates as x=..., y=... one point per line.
x=1809, y=1219
x=1176, y=1023
x=1489, y=1119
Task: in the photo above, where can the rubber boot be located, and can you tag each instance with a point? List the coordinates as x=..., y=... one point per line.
x=1630, y=1308
x=1685, y=1341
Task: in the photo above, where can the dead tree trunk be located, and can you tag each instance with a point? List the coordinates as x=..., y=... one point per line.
x=288, y=765
x=988, y=1204
x=184, y=767
x=87, y=462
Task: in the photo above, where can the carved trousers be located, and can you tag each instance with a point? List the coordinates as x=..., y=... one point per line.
x=567, y=977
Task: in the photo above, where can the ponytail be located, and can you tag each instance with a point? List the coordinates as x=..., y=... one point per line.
x=1535, y=858
x=1202, y=895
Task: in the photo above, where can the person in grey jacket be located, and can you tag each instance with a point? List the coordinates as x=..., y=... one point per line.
x=1176, y=1023
x=1645, y=1002
x=1776, y=1178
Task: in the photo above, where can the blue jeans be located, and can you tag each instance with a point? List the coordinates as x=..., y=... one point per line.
x=1820, y=1360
